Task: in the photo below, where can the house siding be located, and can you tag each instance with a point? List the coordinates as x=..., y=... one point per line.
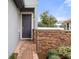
x=13, y=26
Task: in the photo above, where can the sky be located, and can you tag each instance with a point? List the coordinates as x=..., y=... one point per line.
x=61, y=9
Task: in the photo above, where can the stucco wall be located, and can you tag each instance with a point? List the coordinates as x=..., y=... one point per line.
x=46, y=39
x=13, y=26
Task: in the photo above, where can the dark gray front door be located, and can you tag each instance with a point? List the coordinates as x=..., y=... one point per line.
x=26, y=25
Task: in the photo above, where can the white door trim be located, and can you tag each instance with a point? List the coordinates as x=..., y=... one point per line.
x=31, y=24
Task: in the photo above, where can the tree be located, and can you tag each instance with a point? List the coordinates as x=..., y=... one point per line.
x=47, y=20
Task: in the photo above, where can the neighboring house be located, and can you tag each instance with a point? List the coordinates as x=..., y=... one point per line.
x=21, y=17
x=67, y=24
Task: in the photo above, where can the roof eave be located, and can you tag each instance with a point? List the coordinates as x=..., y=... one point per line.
x=19, y=3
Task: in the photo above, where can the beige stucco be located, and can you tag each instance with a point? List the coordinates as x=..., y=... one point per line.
x=13, y=26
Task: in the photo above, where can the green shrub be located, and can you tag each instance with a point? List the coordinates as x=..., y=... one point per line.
x=54, y=57
x=12, y=56
x=52, y=52
x=65, y=51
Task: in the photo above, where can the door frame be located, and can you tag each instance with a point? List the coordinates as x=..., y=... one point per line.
x=31, y=24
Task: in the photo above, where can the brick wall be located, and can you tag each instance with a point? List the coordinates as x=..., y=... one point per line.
x=46, y=39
